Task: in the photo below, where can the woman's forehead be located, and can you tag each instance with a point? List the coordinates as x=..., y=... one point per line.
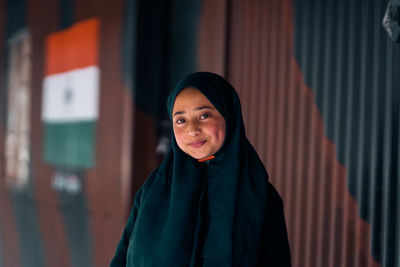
x=190, y=97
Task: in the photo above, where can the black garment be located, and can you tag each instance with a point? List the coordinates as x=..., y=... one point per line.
x=222, y=212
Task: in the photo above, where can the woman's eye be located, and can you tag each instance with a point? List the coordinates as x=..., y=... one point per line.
x=180, y=121
x=204, y=116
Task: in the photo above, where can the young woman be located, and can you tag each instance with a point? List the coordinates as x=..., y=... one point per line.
x=210, y=202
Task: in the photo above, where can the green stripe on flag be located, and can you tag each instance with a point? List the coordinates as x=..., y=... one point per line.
x=70, y=144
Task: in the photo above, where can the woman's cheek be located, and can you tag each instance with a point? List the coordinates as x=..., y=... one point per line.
x=178, y=135
x=218, y=131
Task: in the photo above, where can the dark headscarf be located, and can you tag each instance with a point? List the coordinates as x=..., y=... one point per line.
x=212, y=213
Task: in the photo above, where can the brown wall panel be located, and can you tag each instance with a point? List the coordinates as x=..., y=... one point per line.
x=10, y=254
x=212, y=36
x=127, y=189
x=105, y=183
x=43, y=20
x=144, y=148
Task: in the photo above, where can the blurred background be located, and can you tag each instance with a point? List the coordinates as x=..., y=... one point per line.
x=83, y=85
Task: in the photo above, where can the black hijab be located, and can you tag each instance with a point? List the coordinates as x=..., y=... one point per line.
x=213, y=213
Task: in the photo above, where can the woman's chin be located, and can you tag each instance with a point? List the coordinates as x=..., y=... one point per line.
x=198, y=155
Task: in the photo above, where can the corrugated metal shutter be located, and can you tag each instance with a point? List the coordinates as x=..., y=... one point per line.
x=319, y=88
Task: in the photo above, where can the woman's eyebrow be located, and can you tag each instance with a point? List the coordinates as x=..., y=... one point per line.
x=203, y=107
x=178, y=113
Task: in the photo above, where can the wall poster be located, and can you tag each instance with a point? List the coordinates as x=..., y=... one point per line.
x=18, y=102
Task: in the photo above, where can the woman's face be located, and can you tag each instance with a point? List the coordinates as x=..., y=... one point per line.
x=198, y=126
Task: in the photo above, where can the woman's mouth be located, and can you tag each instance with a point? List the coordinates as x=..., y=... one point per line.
x=197, y=144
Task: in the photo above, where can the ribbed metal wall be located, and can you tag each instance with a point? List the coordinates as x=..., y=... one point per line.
x=319, y=83
x=42, y=226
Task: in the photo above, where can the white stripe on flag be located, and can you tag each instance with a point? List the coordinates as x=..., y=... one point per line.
x=71, y=96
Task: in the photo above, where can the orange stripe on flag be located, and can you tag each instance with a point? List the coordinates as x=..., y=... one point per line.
x=73, y=48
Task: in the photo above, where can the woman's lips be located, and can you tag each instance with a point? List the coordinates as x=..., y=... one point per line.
x=197, y=144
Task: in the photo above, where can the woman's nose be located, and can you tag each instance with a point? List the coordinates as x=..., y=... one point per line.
x=193, y=129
